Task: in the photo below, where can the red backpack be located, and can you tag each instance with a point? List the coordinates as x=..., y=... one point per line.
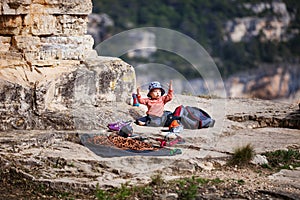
x=193, y=117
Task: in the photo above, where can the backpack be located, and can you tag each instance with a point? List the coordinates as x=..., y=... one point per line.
x=124, y=128
x=193, y=117
x=126, y=131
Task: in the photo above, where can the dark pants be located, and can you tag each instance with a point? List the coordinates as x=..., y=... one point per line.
x=163, y=121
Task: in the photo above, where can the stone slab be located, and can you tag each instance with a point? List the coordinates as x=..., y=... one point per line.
x=21, y=7
x=62, y=160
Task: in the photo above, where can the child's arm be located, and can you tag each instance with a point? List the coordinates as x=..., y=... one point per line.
x=138, y=91
x=139, y=97
x=171, y=85
x=169, y=96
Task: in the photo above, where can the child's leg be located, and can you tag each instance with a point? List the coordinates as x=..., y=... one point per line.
x=142, y=121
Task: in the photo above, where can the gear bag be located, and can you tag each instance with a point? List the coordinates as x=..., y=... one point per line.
x=193, y=117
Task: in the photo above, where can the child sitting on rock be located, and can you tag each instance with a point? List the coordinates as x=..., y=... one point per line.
x=156, y=115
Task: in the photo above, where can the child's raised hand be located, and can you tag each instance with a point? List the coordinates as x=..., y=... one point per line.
x=171, y=85
x=138, y=90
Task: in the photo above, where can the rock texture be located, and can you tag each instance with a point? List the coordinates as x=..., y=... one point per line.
x=48, y=68
x=57, y=160
x=42, y=33
x=50, y=81
x=269, y=28
x=269, y=82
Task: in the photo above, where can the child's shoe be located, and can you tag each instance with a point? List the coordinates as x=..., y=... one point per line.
x=175, y=126
x=116, y=126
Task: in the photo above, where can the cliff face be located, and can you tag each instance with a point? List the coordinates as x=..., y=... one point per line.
x=271, y=27
x=48, y=68
x=39, y=33
x=267, y=83
x=280, y=80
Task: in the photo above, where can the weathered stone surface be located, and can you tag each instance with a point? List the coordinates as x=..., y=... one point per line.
x=287, y=177
x=45, y=92
x=259, y=160
x=61, y=25
x=56, y=158
x=11, y=59
x=35, y=24
x=48, y=67
x=241, y=29
x=93, y=85
x=18, y=7
x=44, y=32
x=274, y=117
x=71, y=25
x=26, y=43
x=55, y=48
x=15, y=7
x=10, y=25
x=267, y=83
x=4, y=43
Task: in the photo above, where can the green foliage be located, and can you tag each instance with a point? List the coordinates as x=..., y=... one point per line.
x=241, y=181
x=203, y=20
x=283, y=159
x=101, y=194
x=143, y=192
x=216, y=181
x=122, y=193
x=186, y=188
x=157, y=180
x=242, y=156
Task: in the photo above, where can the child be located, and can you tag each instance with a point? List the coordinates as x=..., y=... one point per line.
x=156, y=116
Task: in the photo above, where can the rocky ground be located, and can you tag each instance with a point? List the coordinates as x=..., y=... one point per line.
x=52, y=164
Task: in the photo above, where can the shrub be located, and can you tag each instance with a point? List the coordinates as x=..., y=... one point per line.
x=283, y=159
x=157, y=180
x=242, y=155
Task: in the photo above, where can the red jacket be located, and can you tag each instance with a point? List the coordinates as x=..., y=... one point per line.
x=156, y=106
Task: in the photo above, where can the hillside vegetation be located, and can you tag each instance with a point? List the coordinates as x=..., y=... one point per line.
x=204, y=21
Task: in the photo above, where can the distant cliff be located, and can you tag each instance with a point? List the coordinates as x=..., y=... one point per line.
x=266, y=26
x=281, y=82
x=239, y=34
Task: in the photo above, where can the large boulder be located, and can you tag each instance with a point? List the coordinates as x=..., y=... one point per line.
x=51, y=96
x=50, y=76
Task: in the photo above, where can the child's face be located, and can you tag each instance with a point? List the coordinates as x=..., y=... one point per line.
x=155, y=93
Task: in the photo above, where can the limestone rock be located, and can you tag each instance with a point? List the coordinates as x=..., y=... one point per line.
x=10, y=25
x=18, y=7
x=267, y=83
x=57, y=159
x=30, y=95
x=241, y=29
x=259, y=160
x=46, y=31
x=287, y=177
x=4, y=43
x=50, y=76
